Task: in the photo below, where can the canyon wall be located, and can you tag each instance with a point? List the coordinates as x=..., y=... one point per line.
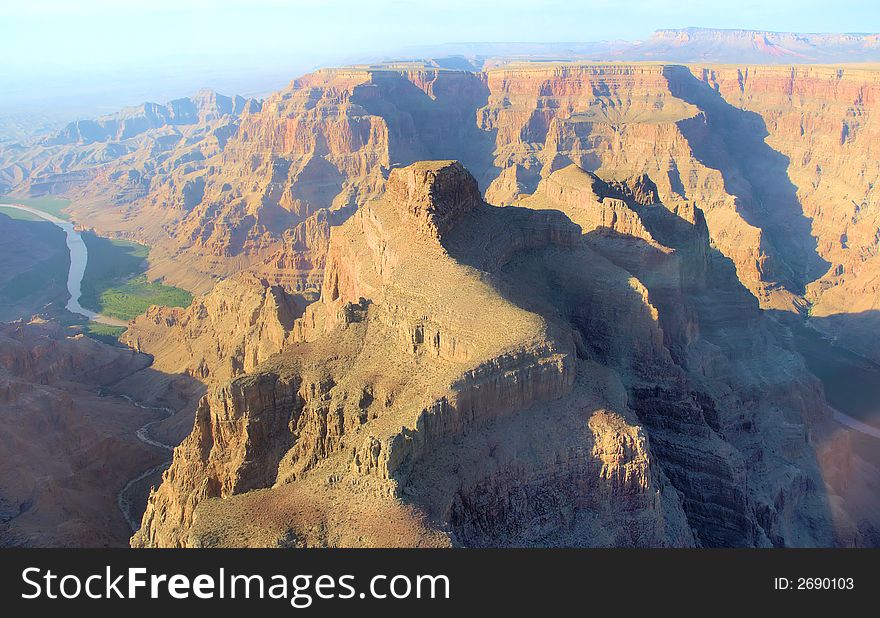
x=524, y=375
x=243, y=321
x=66, y=449
x=606, y=298
x=780, y=160
x=823, y=121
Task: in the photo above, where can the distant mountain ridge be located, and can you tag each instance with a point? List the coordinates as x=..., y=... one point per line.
x=682, y=45
x=738, y=46
x=205, y=106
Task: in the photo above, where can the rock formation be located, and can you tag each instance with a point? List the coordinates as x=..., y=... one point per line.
x=242, y=322
x=545, y=374
x=67, y=451
x=823, y=121
x=584, y=358
x=761, y=149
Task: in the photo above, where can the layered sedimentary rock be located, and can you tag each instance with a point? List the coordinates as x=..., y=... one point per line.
x=767, y=152
x=823, y=123
x=544, y=374
x=306, y=160
x=205, y=106
x=118, y=158
x=779, y=159
x=243, y=321
x=650, y=211
x=627, y=120
x=66, y=450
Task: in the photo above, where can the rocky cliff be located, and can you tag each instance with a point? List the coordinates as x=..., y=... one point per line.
x=543, y=374
x=242, y=322
x=823, y=123
x=642, y=216
x=766, y=151
x=119, y=157
x=67, y=451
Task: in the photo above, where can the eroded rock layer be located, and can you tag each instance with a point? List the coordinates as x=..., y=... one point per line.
x=584, y=362
x=550, y=373
x=780, y=160
x=242, y=322
x=66, y=450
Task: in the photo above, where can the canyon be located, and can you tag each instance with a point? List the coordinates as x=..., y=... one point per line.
x=306, y=158
x=534, y=304
x=50, y=406
x=468, y=377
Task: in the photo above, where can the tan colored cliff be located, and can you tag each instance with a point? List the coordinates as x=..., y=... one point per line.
x=779, y=160
x=643, y=195
x=823, y=120
x=239, y=324
x=475, y=375
x=311, y=153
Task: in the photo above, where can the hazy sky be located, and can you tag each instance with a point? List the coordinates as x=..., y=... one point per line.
x=49, y=47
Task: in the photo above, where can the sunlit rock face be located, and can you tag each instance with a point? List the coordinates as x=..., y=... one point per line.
x=538, y=295
x=782, y=162
x=549, y=373
x=824, y=122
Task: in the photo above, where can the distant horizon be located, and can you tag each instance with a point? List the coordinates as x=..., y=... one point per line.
x=100, y=56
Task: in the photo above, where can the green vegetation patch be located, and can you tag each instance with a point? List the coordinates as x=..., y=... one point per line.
x=113, y=284
x=104, y=333
x=135, y=296
x=51, y=205
x=111, y=263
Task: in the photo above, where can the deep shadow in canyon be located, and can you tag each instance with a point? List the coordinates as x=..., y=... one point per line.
x=732, y=141
x=695, y=438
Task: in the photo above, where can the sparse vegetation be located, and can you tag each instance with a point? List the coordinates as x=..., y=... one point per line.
x=113, y=284
x=51, y=205
x=104, y=333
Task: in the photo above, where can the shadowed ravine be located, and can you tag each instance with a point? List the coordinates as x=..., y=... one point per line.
x=124, y=498
x=732, y=140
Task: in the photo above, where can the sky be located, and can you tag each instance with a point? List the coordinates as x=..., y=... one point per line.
x=122, y=51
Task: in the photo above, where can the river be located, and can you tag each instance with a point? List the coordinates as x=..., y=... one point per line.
x=851, y=381
x=79, y=257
